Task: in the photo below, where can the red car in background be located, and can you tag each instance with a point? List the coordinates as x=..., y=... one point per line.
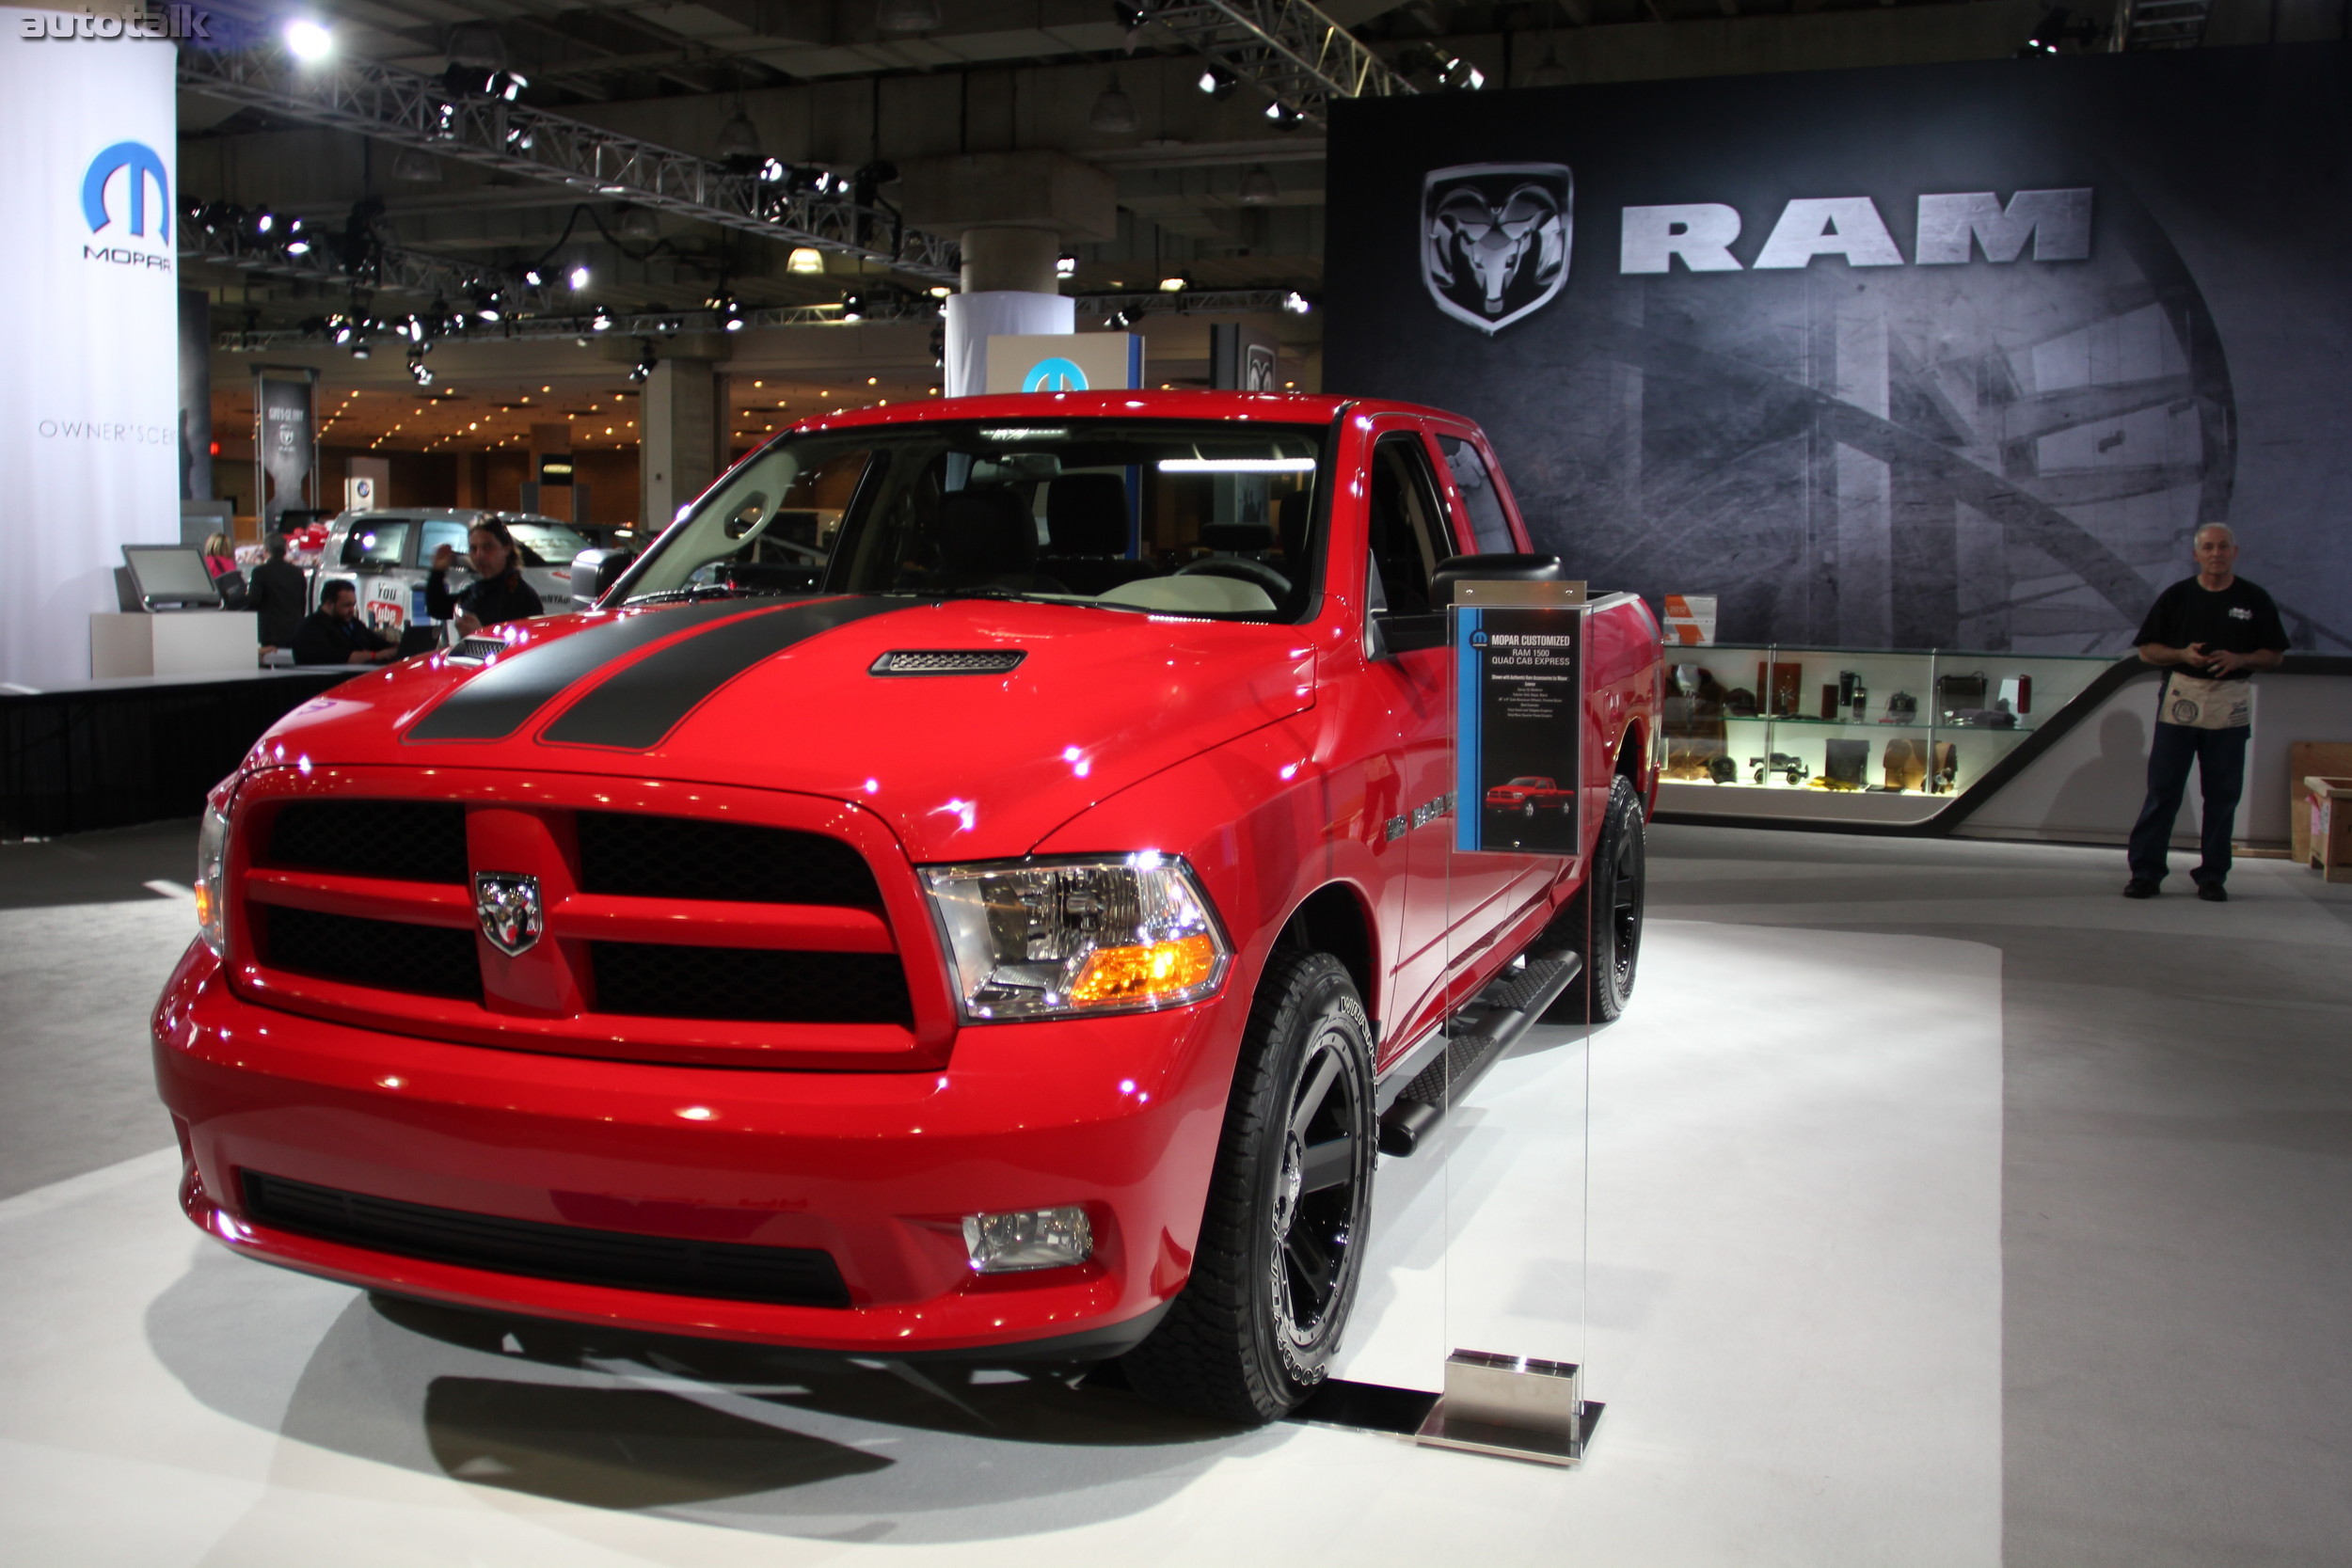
x=973, y=887
x=1530, y=794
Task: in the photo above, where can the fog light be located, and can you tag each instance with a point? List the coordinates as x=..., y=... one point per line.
x=1027, y=1239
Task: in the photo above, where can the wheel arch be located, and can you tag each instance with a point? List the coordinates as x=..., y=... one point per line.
x=1335, y=918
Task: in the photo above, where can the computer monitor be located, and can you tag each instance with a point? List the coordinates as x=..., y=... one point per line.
x=170, y=576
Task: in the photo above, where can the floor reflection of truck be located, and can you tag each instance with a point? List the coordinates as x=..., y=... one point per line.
x=1003, y=923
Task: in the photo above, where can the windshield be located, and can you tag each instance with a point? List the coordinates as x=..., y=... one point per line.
x=1196, y=517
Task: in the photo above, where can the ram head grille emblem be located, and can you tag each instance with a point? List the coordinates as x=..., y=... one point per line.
x=1495, y=239
x=507, y=904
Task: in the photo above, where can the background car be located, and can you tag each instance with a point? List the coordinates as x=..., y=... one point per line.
x=399, y=542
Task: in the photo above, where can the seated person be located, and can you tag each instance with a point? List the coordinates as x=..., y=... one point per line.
x=333, y=633
x=497, y=591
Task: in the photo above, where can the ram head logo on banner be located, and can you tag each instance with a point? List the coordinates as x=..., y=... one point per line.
x=1495, y=239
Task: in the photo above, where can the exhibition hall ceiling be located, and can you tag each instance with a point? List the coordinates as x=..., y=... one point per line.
x=1219, y=186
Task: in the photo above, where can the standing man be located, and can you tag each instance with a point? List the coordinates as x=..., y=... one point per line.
x=2208, y=633
x=277, y=597
x=334, y=634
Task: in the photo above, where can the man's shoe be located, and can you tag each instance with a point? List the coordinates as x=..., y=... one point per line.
x=2140, y=887
x=2212, y=893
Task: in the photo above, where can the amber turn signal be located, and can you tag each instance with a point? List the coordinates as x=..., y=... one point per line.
x=1144, y=974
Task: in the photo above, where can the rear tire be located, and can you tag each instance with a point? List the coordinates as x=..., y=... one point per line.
x=1603, y=922
x=1255, y=1328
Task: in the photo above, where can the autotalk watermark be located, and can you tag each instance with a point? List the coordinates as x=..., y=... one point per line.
x=160, y=22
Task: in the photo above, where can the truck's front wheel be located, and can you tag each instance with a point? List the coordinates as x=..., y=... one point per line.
x=1282, y=1240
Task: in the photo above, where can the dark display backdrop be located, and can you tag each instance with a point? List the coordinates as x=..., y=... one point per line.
x=1988, y=454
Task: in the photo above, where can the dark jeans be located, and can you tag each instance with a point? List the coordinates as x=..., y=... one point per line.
x=2220, y=758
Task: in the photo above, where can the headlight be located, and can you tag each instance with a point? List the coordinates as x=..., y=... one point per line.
x=1059, y=939
x=211, y=854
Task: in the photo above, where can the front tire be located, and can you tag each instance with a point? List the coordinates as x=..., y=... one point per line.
x=1256, y=1326
x=1603, y=922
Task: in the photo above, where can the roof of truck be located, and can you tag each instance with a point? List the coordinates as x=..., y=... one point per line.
x=1272, y=407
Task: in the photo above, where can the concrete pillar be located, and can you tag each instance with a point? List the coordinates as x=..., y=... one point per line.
x=683, y=438
x=1010, y=258
x=1014, y=211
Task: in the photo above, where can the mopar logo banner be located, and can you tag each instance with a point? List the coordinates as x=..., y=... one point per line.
x=1518, y=675
x=1951, y=355
x=89, y=307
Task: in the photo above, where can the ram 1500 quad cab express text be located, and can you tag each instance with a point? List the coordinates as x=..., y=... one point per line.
x=979, y=884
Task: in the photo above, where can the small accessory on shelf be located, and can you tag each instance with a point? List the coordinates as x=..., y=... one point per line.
x=1902, y=709
x=1740, y=702
x=1956, y=692
x=1777, y=685
x=1846, y=761
x=1722, y=769
x=1946, y=766
x=1830, y=704
x=1906, y=764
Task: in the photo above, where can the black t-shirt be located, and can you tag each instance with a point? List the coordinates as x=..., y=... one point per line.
x=2240, y=619
x=325, y=638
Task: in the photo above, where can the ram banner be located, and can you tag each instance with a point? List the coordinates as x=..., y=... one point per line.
x=1949, y=356
x=89, y=307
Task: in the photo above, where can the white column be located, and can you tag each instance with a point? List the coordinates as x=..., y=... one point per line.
x=974, y=319
x=90, y=305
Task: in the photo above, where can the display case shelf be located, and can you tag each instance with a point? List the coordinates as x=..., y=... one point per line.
x=1866, y=767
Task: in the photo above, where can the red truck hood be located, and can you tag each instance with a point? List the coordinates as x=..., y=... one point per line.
x=785, y=697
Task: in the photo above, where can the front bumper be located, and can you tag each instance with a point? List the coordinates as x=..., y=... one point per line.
x=876, y=1169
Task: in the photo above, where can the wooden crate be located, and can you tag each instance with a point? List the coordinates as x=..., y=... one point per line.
x=2330, y=818
x=2331, y=758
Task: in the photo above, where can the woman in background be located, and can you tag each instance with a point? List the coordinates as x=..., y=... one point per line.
x=498, y=592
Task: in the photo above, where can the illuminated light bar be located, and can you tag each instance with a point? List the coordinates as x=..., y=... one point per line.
x=1237, y=465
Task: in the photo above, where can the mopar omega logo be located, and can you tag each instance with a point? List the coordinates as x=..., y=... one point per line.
x=139, y=166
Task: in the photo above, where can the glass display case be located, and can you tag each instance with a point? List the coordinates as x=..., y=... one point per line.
x=1764, y=729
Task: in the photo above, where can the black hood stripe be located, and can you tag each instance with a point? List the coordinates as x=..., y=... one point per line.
x=636, y=708
x=501, y=699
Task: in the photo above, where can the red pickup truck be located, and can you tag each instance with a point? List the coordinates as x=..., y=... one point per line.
x=979, y=884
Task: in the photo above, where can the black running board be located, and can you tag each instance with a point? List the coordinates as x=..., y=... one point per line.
x=1475, y=1038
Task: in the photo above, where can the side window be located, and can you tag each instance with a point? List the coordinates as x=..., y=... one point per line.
x=378, y=544
x=1488, y=527
x=1407, y=535
x=439, y=531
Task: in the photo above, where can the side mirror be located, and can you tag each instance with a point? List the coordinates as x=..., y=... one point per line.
x=594, y=572
x=1491, y=568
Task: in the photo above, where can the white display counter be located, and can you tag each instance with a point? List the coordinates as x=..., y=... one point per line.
x=172, y=642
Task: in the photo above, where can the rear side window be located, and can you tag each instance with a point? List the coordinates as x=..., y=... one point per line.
x=1408, y=536
x=1488, y=525
x=443, y=530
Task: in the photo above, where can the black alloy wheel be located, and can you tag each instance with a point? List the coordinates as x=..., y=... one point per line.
x=1255, y=1329
x=1603, y=922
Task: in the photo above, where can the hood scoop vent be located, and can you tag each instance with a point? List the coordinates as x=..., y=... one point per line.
x=476, y=650
x=948, y=662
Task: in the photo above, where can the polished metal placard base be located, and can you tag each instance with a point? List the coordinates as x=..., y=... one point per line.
x=1511, y=1408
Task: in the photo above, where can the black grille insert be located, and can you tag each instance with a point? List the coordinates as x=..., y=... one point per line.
x=748, y=984
x=383, y=954
x=413, y=841
x=723, y=1271
x=678, y=857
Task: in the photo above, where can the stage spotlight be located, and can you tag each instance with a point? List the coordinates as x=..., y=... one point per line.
x=1297, y=303
x=1219, y=82
x=577, y=276
x=805, y=259
x=298, y=243
x=1065, y=265
x=360, y=348
x=1175, y=283
x=307, y=41
x=643, y=367
x=852, y=307
x=739, y=141
x=601, y=321
x=1284, y=117
x=533, y=278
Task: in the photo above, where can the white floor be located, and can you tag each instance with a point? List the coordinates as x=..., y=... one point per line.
x=1794, y=1318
